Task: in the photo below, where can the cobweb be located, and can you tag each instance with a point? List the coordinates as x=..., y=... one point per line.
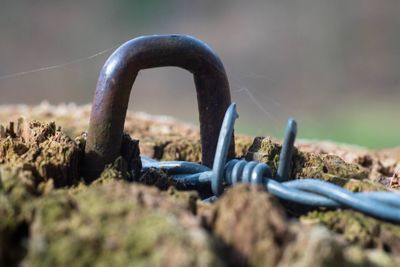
x=271, y=118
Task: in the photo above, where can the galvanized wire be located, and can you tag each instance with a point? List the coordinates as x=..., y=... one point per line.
x=306, y=191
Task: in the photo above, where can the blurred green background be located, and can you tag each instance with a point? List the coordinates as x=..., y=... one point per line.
x=333, y=65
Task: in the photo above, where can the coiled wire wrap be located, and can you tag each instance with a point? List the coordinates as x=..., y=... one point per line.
x=307, y=191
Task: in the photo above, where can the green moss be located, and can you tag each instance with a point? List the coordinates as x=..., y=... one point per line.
x=179, y=147
x=327, y=167
x=13, y=232
x=47, y=209
x=182, y=149
x=8, y=225
x=18, y=184
x=368, y=257
x=116, y=224
x=6, y=212
x=363, y=185
x=358, y=228
x=314, y=247
x=154, y=231
x=265, y=150
x=35, y=153
x=186, y=199
x=330, y=168
x=242, y=145
x=317, y=246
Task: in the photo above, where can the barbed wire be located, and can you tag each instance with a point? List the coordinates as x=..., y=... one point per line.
x=307, y=191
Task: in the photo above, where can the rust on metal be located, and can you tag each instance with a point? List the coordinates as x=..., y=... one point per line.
x=118, y=75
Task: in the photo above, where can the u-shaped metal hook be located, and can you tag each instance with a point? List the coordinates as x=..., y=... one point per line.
x=118, y=75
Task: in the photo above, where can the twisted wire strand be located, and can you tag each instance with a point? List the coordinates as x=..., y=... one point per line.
x=389, y=198
x=306, y=191
x=349, y=199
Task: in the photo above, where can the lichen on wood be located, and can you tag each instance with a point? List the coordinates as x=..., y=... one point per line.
x=117, y=224
x=38, y=156
x=51, y=216
x=359, y=229
x=331, y=168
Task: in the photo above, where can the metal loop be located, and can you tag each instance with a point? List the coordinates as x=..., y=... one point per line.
x=118, y=75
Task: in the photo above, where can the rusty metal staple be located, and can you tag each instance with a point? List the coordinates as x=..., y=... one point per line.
x=118, y=75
